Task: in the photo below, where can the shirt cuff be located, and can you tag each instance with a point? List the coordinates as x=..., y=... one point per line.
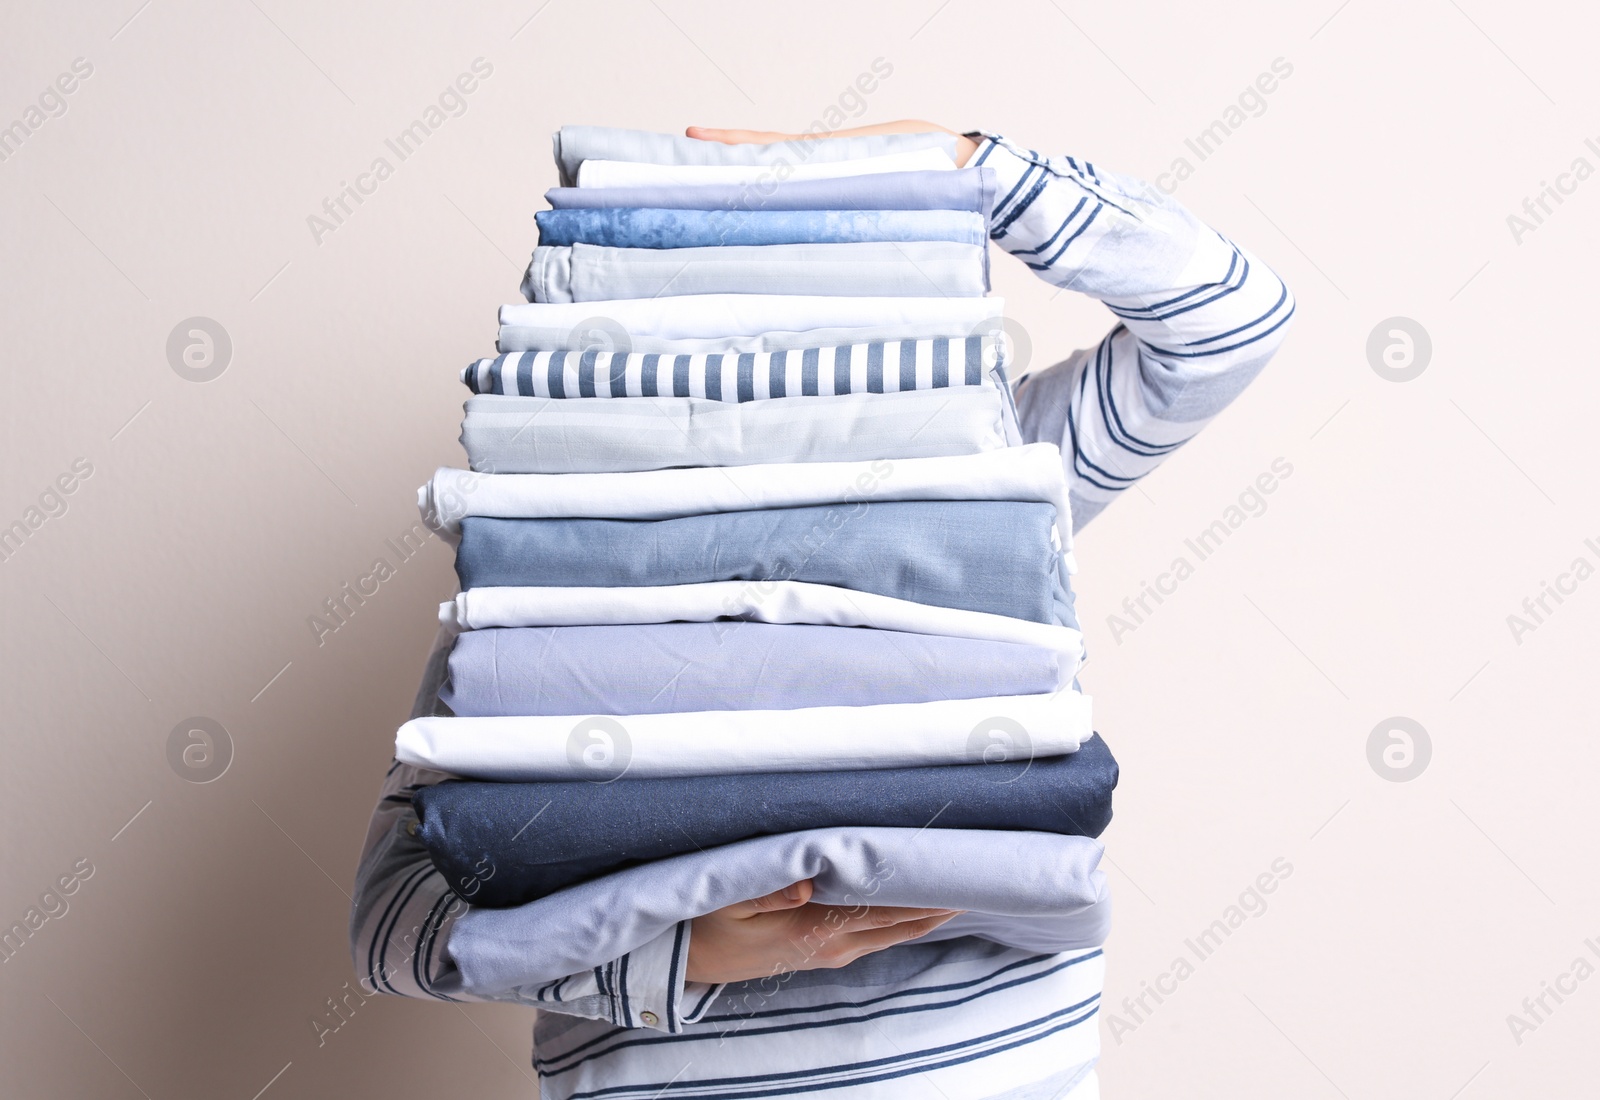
x=651, y=988
x=1019, y=175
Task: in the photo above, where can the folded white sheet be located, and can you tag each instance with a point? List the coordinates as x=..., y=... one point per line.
x=756, y=601
x=625, y=173
x=720, y=316
x=1028, y=473
x=734, y=742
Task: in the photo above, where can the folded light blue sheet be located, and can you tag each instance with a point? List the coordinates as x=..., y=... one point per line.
x=660, y=668
x=977, y=555
x=646, y=227
x=1035, y=891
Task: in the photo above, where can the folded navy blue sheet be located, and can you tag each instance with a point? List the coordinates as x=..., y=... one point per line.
x=504, y=844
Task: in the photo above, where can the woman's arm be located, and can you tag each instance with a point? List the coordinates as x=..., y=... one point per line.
x=403, y=912
x=1198, y=316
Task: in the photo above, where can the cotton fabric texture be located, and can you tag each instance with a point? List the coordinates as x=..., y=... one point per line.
x=962, y=189
x=538, y=435
x=891, y=366
x=993, y=557
x=579, y=747
x=575, y=144
x=1029, y=890
x=676, y=229
x=627, y=173
x=915, y=268
x=662, y=668
x=584, y=830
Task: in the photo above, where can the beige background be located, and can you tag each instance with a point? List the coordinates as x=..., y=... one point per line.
x=220, y=516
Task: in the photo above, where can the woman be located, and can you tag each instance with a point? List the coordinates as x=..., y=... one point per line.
x=780, y=997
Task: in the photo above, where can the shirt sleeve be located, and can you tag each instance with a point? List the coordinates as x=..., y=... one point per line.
x=403, y=911
x=1198, y=316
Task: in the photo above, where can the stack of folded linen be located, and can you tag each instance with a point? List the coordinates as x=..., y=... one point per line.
x=766, y=587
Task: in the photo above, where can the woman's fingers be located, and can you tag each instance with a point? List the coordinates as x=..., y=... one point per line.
x=792, y=896
x=965, y=146
x=737, y=137
x=883, y=916
x=857, y=944
x=768, y=137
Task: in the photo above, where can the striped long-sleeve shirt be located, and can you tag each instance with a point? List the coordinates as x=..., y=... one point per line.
x=1198, y=317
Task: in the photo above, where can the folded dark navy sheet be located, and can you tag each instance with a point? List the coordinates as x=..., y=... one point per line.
x=504, y=844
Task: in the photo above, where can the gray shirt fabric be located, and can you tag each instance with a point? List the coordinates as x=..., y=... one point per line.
x=542, y=435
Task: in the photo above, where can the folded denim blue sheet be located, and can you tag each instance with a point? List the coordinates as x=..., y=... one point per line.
x=890, y=366
x=645, y=227
x=575, y=144
x=538, y=435
x=512, y=843
x=593, y=273
x=661, y=668
x=992, y=556
x=1035, y=891
x=964, y=189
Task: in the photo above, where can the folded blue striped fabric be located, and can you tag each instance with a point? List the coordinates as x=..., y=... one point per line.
x=542, y=837
x=963, y=189
x=666, y=228
x=575, y=144
x=661, y=668
x=891, y=366
x=975, y=555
